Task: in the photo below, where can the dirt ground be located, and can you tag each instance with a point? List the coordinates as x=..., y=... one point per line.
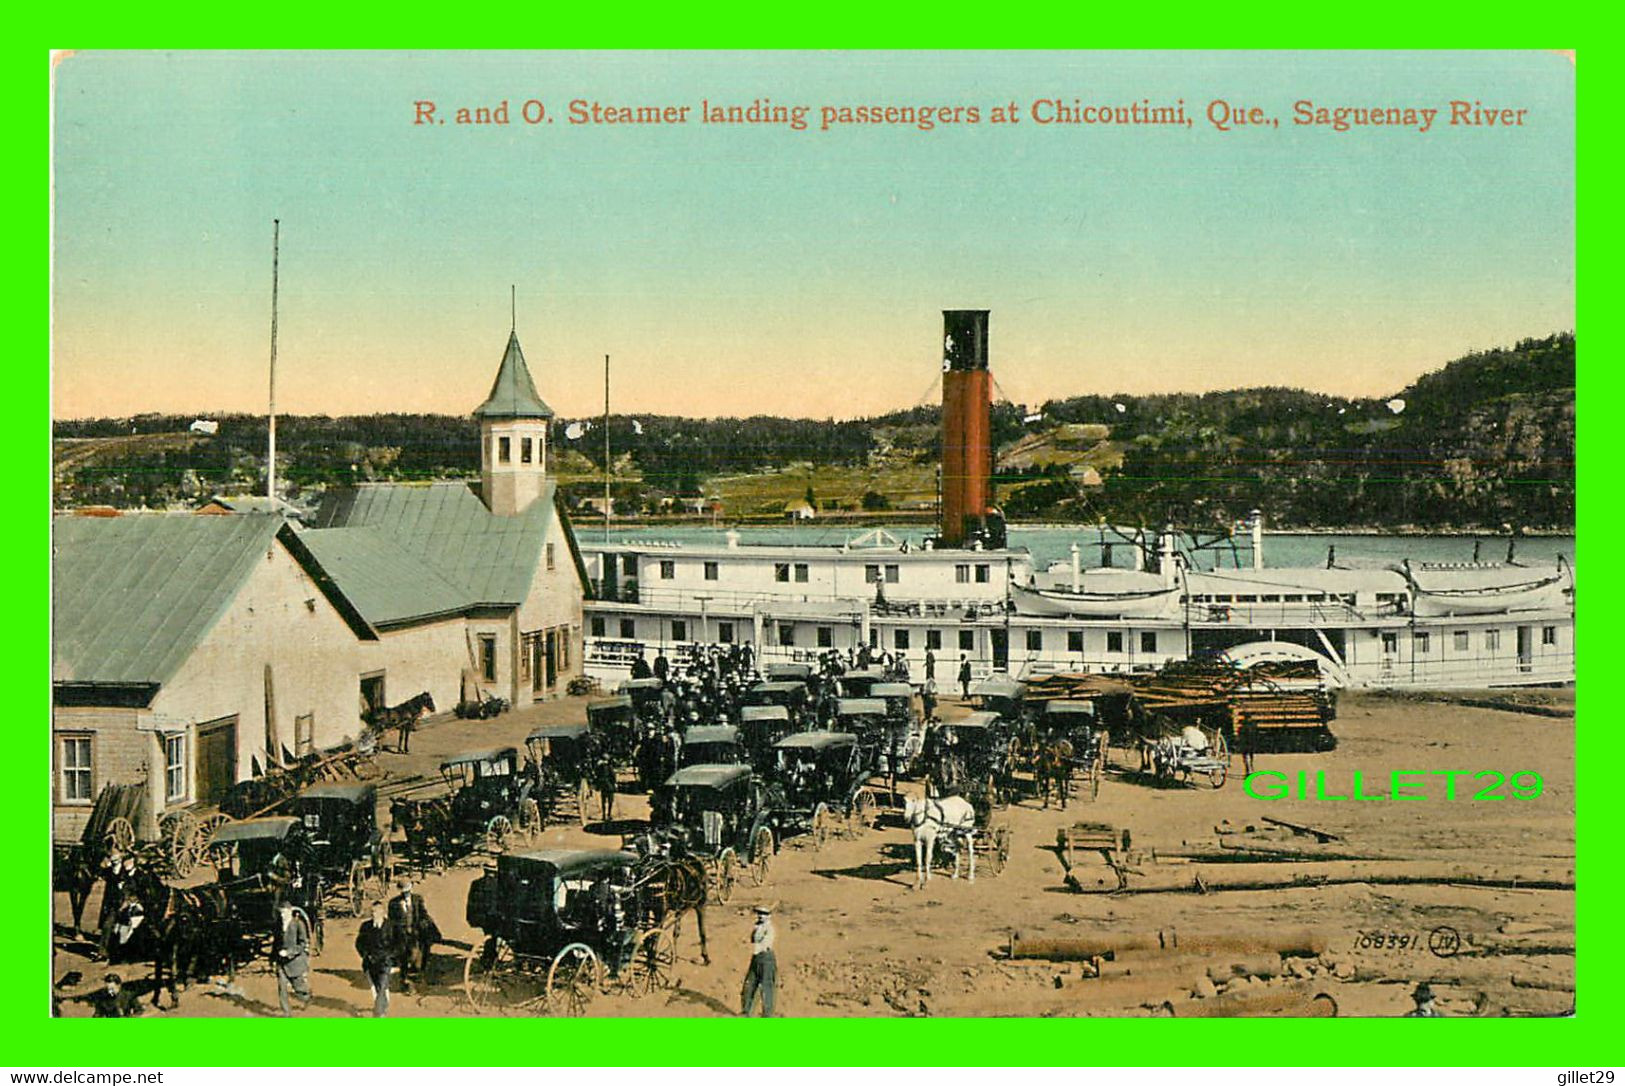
x=855, y=938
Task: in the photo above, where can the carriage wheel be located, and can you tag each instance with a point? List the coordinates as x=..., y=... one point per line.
x=761, y=855
x=571, y=980
x=498, y=833
x=726, y=876
x=863, y=809
x=1221, y=745
x=998, y=853
x=654, y=962
x=1097, y=771
x=530, y=820
x=177, y=831
x=121, y=833
x=1216, y=776
x=493, y=980
x=822, y=826
x=356, y=895
x=583, y=800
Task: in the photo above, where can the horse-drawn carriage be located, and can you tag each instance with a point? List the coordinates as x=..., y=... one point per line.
x=1002, y=696
x=559, y=924
x=1189, y=752
x=492, y=797
x=790, y=695
x=969, y=757
x=343, y=846
x=648, y=699
x=1071, y=738
x=716, y=813
x=904, y=730
x=789, y=672
x=716, y=744
x=619, y=723
x=562, y=756
x=760, y=727
x=261, y=863
x=819, y=779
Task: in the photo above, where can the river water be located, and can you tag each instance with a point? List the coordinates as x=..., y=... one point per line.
x=1052, y=543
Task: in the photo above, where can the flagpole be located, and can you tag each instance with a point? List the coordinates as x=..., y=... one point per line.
x=607, y=499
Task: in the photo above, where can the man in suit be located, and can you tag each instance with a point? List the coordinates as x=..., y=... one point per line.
x=292, y=957
x=412, y=932
x=377, y=957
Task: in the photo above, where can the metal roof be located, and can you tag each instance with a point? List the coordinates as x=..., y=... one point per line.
x=860, y=707
x=707, y=776
x=492, y=559
x=388, y=584
x=572, y=861
x=712, y=733
x=133, y=596
x=558, y=731
x=513, y=393
x=470, y=757
x=254, y=829
x=818, y=740
x=355, y=793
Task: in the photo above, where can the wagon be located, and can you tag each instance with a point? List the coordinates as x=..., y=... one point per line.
x=716, y=812
x=617, y=722
x=761, y=726
x=562, y=755
x=904, y=729
x=1078, y=723
x=791, y=696
x=648, y=702
x=799, y=673
x=819, y=778
x=1181, y=758
x=860, y=682
x=491, y=797
x=344, y=846
x=1002, y=696
x=261, y=862
x=560, y=923
x=712, y=745
x=969, y=757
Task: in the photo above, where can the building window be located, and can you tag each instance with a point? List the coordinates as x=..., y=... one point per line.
x=1114, y=641
x=488, y=657
x=1548, y=635
x=175, y=767
x=598, y=625
x=524, y=450
x=550, y=556
x=1420, y=643
x=892, y=573
x=826, y=637
x=563, y=641
x=801, y=572
x=679, y=629
x=1074, y=641
x=1461, y=641
x=711, y=571
x=629, y=565
x=874, y=637
x=1148, y=641
x=1492, y=640
x=900, y=639
x=504, y=450
x=668, y=569
x=725, y=632
x=962, y=574
x=1035, y=640
x=983, y=574
x=933, y=639
x=628, y=630
x=967, y=640
x=787, y=634
x=871, y=574
x=781, y=571
x=1390, y=644
x=76, y=769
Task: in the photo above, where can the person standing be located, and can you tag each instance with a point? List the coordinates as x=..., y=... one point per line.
x=292, y=957
x=662, y=666
x=928, y=700
x=930, y=665
x=762, y=978
x=377, y=956
x=640, y=668
x=412, y=932
x=964, y=675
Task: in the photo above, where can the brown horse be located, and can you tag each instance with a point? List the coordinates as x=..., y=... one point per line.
x=426, y=824
x=403, y=718
x=1053, y=769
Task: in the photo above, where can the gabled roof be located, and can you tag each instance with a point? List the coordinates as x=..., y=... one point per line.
x=492, y=559
x=388, y=584
x=133, y=596
x=513, y=394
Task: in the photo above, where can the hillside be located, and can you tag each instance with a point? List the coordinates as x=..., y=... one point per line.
x=1485, y=441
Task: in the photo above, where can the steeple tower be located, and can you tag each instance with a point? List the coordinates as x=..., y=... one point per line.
x=513, y=437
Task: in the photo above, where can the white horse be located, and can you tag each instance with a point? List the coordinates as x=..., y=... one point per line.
x=950, y=816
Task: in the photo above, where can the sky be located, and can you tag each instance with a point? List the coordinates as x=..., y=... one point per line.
x=758, y=269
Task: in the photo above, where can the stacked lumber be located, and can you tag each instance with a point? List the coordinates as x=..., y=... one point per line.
x=1076, y=686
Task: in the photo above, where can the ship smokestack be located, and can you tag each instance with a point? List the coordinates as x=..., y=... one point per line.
x=967, y=407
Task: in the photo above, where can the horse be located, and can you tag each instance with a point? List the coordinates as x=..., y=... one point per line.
x=1053, y=768
x=73, y=872
x=949, y=817
x=402, y=717
x=426, y=824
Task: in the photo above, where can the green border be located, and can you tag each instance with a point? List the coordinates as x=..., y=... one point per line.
x=31, y=1038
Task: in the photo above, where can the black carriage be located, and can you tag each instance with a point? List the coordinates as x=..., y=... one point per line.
x=1077, y=723
x=617, y=723
x=791, y=696
x=860, y=682
x=562, y=755
x=716, y=744
x=560, y=923
x=344, y=845
x=761, y=726
x=261, y=863
x=716, y=813
x=788, y=672
x=1002, y=696
x=492, y=800
x=969, y=757
x=818, y=779
x=648, y=698
x=904, y=734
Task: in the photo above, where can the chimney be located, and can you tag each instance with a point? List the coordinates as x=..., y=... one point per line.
x=967, y=404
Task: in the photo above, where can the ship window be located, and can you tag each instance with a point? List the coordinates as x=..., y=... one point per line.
x=1492, y=640
x=781, y=571
x=801, y=573
x=892, y=573
x=550, y=556
x=871, y=574
x=1461, y=641
x=967, y=640
x=1074, y=641
x=679, y=629
x=1271, y=598
x=826, y=637
x=1548, y=635
x=1148, y=641
x=629, y=565
x=787, y=634
x=1114, y=641
x=983, y=574
x=598, y=625
x=668, y=569
x=725, y=632
x=1224, y=599
x=962, y=574
x=1291, y=599
x=1390, y=644
x=899, y=639
x=1420, y=643
x=710, y=571
x=628, y=632
x=933, y=639
x=1249, y=598
x=1035, y=640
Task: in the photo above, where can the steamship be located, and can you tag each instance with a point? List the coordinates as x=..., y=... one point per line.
x=966, y=593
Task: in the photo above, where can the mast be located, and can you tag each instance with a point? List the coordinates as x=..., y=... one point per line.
x=270, y=452
x=607, y=499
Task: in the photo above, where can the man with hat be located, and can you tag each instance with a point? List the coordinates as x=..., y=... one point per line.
x=412, y=932
x=377, y=955
x=292, y=957
x=763, y=975
x=1423, y=998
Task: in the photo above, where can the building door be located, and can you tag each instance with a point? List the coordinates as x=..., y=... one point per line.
x=1001, y=649
x=372, y=694
x=1526, y=648
x=216, y=759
